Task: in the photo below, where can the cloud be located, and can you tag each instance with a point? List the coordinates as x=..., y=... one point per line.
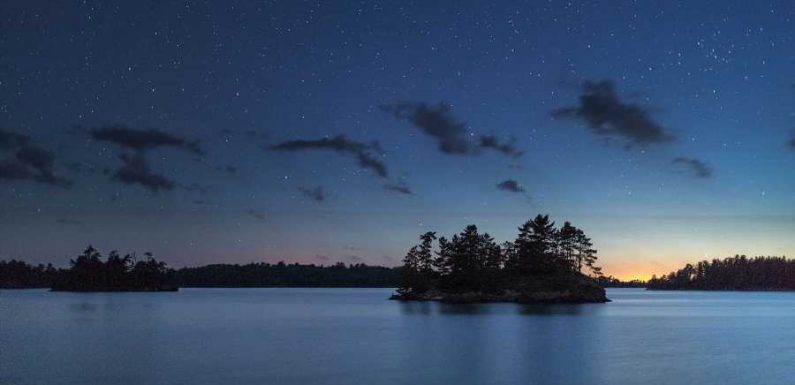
x=256, y=214
x=363, y=152
x=354, y=258
x=399, y=188
x=230, y=169
x=27, y=161
x=438, y=122
x=695, y=166
x=511, y=185
x=316, y=194
x=607, y=116
x=435, y=121
x=490, y=141
x=142, y=140
x=135, y=170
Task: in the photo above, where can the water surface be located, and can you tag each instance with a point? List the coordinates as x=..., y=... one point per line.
x=356, y=336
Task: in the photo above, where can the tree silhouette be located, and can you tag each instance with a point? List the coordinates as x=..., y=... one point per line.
x=734, y=273
x=473, y=262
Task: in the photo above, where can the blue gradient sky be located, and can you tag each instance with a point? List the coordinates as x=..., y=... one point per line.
x=242, y=76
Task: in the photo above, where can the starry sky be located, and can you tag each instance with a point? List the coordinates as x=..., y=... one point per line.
x=318, y=132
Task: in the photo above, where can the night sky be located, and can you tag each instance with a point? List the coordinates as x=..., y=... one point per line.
x=318, y=132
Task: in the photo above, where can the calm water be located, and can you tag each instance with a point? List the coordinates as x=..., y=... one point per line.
x=356, y=336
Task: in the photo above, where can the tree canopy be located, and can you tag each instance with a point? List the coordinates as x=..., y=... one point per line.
x=735, y=273
x=471, y=261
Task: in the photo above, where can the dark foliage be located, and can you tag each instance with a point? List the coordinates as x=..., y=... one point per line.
x=288, y=275
x=734, y=273
x=20, y=275
x=610, y=281
x=88, y=272
x=542, y=257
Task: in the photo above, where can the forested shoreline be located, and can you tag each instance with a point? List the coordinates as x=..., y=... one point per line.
x=92, y=272
x=738, y=273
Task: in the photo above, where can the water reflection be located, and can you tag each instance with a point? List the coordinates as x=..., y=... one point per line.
x=336, y=336
x=436, y=308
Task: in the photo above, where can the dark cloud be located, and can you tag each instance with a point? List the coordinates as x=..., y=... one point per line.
x=24, y=160
x=491, y=142
x=256, y=214
x=364, y=153
x=136, y=170
x=607, y=116
x=511, y=185
x=12, y=140
x=316, y=194
x=230, y=169
x=142, y=140
x=435, y=121
x=695, y=166
x=438, y=122
x=399, y=188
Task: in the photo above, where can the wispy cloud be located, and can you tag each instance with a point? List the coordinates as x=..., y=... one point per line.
x=142, y=140
x=316, y=194
x=26, y=160
x=695, y=167
x=511, y=185
x=365, y=154
x=256, y=214
x=400, y=188
x=490, y=141
x=136, y=170
x=438, y=122
x=606, y=115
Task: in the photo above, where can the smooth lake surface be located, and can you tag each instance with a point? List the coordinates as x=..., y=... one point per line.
x=356, y=336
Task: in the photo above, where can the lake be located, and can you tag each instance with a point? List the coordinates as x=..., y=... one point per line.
x=356, y=336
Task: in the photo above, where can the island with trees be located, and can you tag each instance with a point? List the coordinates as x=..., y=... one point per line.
x=738, y=273
x=89, y=272
x=544, y=264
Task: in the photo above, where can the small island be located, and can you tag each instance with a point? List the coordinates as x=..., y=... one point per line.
x=738, y=273
x=543, y=265
x=89, y=273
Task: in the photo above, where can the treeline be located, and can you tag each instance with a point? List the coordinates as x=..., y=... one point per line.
x=288, y=275
x=20, y=275
x=734, y=273
x=542, y=255
x=92, y=272
x=610, y=281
